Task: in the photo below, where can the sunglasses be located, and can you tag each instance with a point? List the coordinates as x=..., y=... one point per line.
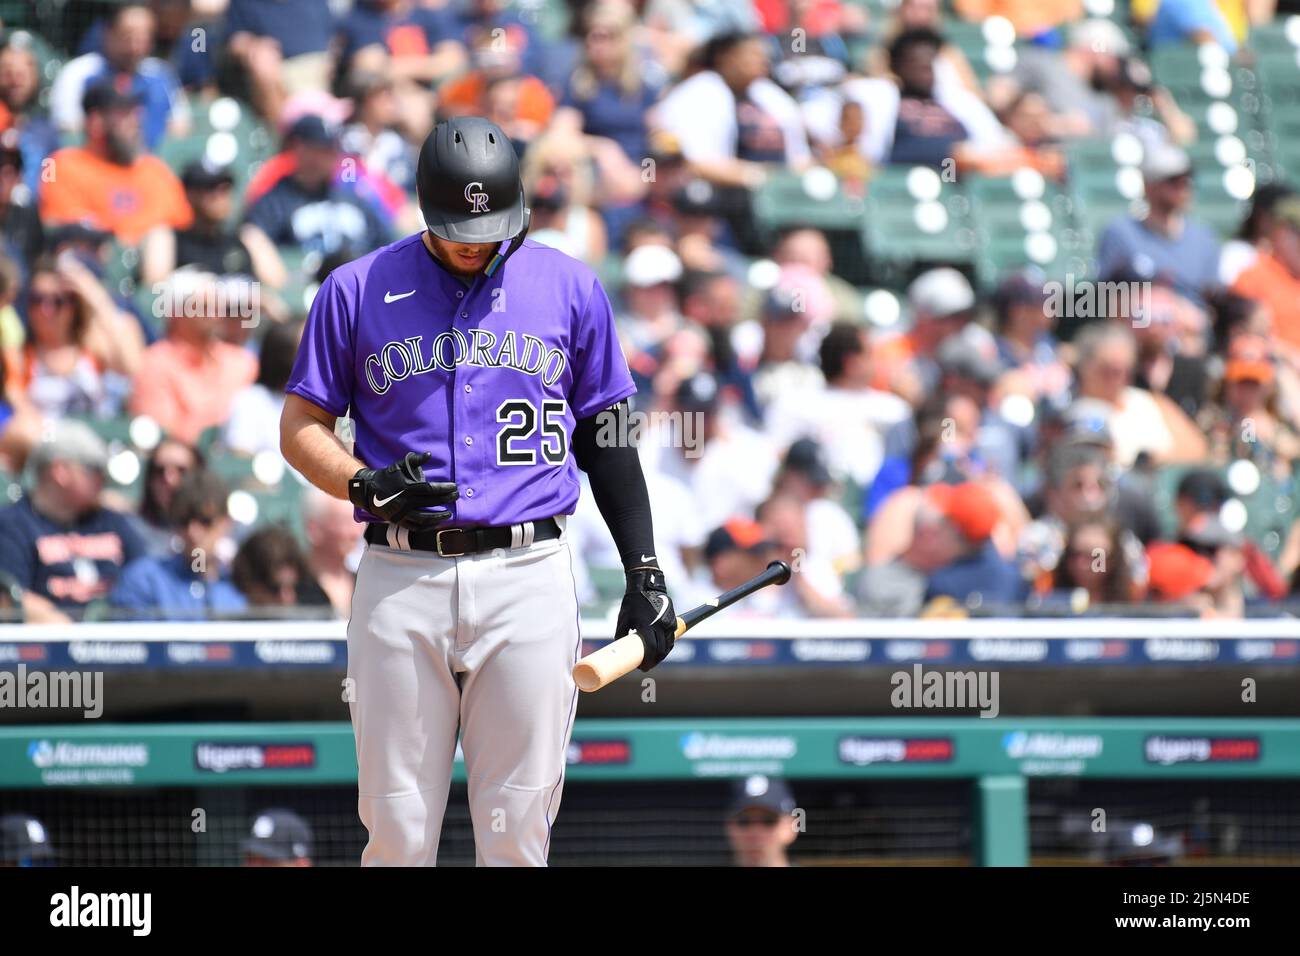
x=57, y=299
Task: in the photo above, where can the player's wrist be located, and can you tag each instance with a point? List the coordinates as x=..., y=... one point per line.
x=358, y=484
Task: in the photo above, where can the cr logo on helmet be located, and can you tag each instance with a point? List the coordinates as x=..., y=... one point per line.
x=476, y=197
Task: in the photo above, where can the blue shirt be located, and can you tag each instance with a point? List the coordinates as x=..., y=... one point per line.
x=614, y=115
x=1176, y=20
x=166, y=586
x=331, y=221
x=300, y=26
x=155, y=83
x=986, y=573
x=1190, y=259
x=367, y=26
x=71, y=565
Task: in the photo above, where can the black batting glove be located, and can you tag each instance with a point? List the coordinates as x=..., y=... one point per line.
x=648, y=610
x=399, y=493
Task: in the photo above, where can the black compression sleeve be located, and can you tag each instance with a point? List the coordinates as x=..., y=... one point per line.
x=603, y=449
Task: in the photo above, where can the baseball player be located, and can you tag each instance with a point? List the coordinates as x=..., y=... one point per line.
x=480, y=370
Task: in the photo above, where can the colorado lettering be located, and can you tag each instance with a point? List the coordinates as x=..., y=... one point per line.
x=398, y=360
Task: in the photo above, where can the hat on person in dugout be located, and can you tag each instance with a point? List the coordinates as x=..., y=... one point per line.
x=23, y=840
x=279, y=835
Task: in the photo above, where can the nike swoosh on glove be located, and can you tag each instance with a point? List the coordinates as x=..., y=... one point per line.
x=648, y=610
x=400, y=494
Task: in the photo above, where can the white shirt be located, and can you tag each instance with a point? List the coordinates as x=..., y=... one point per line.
x=850, y=426
x=254, y=423
x=701, y=113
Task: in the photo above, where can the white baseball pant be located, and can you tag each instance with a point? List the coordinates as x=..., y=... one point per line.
x=482, y=644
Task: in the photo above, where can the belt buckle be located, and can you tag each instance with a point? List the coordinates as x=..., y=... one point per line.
x=437, y=543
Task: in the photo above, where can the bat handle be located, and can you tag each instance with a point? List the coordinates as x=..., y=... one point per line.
x=613, y=661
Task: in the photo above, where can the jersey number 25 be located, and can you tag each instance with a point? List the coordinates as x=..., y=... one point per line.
x=520, y=419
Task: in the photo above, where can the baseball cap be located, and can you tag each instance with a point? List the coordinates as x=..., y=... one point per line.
x=1207, y=532
x=1087, y=422
x=1027, y=285
x=805, y=456
x=1165, y=161
x=23, y=839
x=1249, y=359
x=105, y=95
x=204, y=174
x=1175, y=570
x=1100, y=36
x=651, y=265
x=761, y=792
x=970, y=506
x=971, y=353
x=699, y=392
x=69, y=440
x=737, y=534
x=799, y=291
x=313, y=130
x=279, y=835
x=940, y=293
x=1204, y=488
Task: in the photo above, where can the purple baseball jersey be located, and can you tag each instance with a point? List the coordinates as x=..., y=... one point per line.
x=488, y=378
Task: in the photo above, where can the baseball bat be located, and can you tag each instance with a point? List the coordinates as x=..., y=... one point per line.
x=625, y=654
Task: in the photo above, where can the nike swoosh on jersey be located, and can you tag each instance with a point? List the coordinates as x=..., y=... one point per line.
x=380, y=502
x=389, y=297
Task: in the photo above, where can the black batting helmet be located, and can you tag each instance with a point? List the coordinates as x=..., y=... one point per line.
x=468, y=184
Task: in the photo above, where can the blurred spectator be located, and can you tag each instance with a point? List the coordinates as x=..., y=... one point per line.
x=1074, y=82
x=731, y=119
x=848, y=417
x=188, y=379
x=788, y=323
x=557, y=176
x=1198, y=504
x=1095, y=562
x=254, y=422
x=1166, y=242
x=107, y=183
x=650, y=308
x=951, y=68
x=833, y=538
x=1190, y=21
x=174, y=38
x=271, y=571
x=727, y=466
x=210, y=243
x=1139, y=421
x=817, y=583
x=951, y=554
x=127, y=65
x=1133, y=82
x=941, y=302
x=82, y=349
x=970, y=366
x=373, y=130
x=169, y=464
x=61, y=546
x=807, y=247
x=510, y=25
x=21, y=232
x=333, y=537
x=1242, y=251
x=761, y=822
x=34, y=136
x=499, y=87
x=1029, y=20
x=278, y=49
x=737, y=552
x=1172, y=336
x=711, y=302
x=922, y=129
x=613, y=86
x=1274, y=279
x=308, y=209
x=278, y=838
x=679, y=29
x=1026, y=344
x=189, y=584
x=1211, y=586
x=1244, y=421
x=412, y=45
x=24, y=842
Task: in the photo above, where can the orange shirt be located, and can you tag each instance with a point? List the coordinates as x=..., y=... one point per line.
x=465, y=96
x=187, y=389
x=127, y=201
x=1270, y=282
x=888, y=358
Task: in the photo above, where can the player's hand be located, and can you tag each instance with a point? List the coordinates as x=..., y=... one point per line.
x=400, y=494
x=648, y=610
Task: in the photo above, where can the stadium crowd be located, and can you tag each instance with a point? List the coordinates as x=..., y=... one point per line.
x=177, y=176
